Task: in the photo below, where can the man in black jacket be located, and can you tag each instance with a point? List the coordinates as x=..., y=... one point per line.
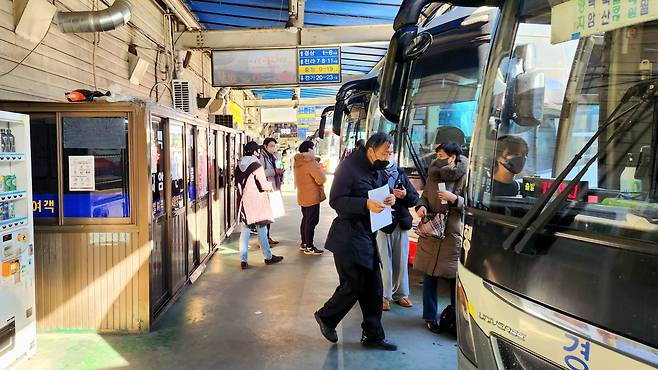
x=353, y=243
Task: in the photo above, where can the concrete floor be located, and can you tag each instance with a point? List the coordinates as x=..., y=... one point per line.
x=260, y=318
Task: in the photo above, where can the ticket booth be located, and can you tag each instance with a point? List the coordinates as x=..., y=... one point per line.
x=111, y=256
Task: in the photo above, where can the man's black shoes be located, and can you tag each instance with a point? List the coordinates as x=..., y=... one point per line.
x=327, y=332
x=382, y=344
x=273, y=260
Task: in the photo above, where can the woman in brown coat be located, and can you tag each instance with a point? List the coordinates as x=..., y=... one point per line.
x=438, y=258
x=309, y=179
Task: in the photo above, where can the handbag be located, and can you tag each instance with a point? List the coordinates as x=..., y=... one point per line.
x=448, y=320
x=276, y=203
x=433, y=226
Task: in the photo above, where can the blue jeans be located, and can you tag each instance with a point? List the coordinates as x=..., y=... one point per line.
x=430, y=299
x=244, y=242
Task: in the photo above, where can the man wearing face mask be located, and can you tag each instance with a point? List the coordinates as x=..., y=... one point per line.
x=393, y=240
x=511, y=155
x=354, y=245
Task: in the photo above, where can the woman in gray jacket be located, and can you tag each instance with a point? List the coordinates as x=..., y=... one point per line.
x=438, y=258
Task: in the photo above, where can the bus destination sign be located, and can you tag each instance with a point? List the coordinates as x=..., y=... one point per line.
x=319, y=65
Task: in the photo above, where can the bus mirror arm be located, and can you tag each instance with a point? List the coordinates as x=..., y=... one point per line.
x=523, y=236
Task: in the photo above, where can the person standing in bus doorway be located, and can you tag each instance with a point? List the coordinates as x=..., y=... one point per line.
x=354, y=244
x=268, y=159
x=438, y=258
x=511, y=155
x=310, y=180
x=253, y=203
x=393, y=240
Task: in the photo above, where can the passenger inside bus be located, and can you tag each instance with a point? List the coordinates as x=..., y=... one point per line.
x=511, y=155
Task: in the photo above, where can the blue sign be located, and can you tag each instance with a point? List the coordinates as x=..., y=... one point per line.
x=302, y=132
x=319, y=65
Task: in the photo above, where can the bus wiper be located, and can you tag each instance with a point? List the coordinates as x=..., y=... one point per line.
x=414, y=156
x=523, y=236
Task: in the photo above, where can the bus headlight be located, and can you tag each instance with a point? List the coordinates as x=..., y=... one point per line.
x=464, y=332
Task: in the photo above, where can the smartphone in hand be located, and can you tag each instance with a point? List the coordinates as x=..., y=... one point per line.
x=442, y=187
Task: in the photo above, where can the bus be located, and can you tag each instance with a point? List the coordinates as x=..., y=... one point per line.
x=560, y=270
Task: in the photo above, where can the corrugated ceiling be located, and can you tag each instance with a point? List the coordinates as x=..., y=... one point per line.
x=232, y=14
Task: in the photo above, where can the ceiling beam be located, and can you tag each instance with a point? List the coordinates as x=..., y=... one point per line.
x=255, y=39
x=183, y=13
x=278, y=103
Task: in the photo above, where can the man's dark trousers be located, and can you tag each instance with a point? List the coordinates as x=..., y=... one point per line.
x=357, y=284
x=310, y=219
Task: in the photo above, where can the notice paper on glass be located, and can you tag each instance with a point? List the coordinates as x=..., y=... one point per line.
x=385, y=217
x=82, y=176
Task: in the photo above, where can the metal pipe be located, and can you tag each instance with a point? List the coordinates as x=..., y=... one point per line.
x=116, y=15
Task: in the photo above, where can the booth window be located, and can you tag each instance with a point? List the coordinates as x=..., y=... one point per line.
x=95, y=167
x=43, y=137
x=191, y=167
x=176, y=166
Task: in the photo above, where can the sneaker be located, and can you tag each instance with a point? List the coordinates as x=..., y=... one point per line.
x=273, y=260
x=302, y=247
x=327, y=332
x=433, y=326
x=312, y=251
x=244, y=265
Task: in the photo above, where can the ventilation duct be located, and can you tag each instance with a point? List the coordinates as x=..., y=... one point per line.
x=221, y=100
x=117, y=15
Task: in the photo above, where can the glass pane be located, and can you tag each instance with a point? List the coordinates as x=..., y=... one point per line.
x=176, y=166
x=549, y=102
x=354, y=126
x=157, y=166
x=95, y=167
x=191, y=166
x=43, y=138
x=443, y=91
x=202, y=160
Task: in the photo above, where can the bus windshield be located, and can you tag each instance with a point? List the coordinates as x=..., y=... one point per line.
x=441, y=101
x=548, y=101
x=353, y=128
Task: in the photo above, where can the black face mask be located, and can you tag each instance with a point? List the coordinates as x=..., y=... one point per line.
x=442, y=162
x=380, y=165
x=514, y=164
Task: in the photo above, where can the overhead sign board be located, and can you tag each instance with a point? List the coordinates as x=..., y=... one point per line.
x=574, y=19
x=319, y=65
x=254, y=67
x=306, y=116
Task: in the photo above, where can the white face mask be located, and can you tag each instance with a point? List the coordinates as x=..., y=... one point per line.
x=391, y=162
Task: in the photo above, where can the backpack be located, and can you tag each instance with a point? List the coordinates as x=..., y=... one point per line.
x=448, y=320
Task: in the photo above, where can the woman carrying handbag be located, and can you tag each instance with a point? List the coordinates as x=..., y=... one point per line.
x=254, y=204
x=441, y=208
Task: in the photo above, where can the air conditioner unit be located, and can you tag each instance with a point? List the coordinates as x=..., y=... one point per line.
x=184, y=96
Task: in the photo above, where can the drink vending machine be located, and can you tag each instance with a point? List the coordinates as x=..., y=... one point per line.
x=17, y=279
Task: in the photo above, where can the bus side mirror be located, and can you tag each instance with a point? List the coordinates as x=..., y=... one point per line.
x=418, y=45
x=323, y=121
x=396, y=72
x=528, y=99
x=339, y=110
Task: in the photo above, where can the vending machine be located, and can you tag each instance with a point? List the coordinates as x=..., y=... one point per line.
x=17, y=280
